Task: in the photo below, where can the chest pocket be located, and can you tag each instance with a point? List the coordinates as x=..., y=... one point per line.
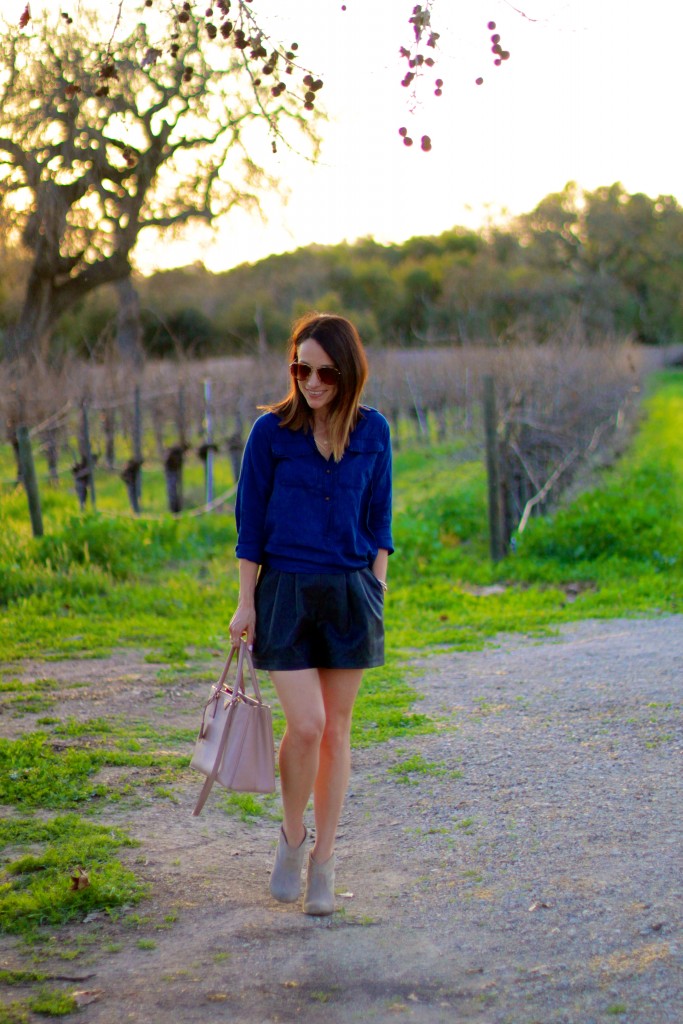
x=294, y=463
x=356, y=468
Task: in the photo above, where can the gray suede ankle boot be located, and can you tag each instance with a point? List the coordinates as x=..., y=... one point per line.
x=319, y=896
x=285, y=880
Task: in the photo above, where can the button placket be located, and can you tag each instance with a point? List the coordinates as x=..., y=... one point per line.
x=328, y=482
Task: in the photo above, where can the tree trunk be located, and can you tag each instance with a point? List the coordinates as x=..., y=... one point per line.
x=32, y=333
x=128, y=327
x=45, y=301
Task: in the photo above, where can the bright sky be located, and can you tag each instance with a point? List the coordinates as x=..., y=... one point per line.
x=591, y=93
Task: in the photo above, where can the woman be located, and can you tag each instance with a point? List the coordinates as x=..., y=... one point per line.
x=314, y=535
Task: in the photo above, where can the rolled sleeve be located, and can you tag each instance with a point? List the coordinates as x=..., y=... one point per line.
x=253, y=492
x=379, y=519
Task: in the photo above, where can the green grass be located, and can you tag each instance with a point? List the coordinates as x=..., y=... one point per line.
x=619, y=546
x=14, y=1013
x=36, y=888
x=414, y=767
x=249, y=807
x=20, y=977
x=53, y=1003
x=111, y=494
x=96, y=583
x=34, y=773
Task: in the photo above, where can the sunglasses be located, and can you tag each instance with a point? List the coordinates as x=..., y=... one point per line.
x=327, y=375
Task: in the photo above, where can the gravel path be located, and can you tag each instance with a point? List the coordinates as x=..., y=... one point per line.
x=529, y=870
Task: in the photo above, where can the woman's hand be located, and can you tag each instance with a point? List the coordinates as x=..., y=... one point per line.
x=380, y=566
x=243, y=624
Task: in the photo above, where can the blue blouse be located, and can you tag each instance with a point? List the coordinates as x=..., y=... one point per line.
x=298, y=512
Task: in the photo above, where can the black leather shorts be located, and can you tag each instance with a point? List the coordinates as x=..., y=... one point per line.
x=318, y=620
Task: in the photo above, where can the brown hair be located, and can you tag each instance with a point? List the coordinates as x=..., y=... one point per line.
x=341, y=342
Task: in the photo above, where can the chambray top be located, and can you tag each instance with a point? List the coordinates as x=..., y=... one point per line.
x=298, y=512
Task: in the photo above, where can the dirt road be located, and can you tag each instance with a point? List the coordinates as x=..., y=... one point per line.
x=528, y=870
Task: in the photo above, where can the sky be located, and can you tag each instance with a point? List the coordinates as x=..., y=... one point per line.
x=591, y=93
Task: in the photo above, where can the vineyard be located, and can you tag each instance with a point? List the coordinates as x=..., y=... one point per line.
x=172, y=433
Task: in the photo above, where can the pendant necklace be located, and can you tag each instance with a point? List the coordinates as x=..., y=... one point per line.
x=322, y=445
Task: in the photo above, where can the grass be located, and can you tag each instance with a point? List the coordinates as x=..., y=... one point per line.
x=96, y=583
x=34, y=773
x=14, y=1013
x=617, y=547
x=53, y=1003
x=37, y=887
x=249, y=807
x=414, y=767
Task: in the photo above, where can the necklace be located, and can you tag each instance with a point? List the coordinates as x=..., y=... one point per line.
x=322, y=444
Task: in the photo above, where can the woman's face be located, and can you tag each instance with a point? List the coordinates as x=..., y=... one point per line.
x=316, y=394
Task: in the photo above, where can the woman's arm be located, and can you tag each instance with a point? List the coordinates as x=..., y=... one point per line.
x=244, y=620
x=379, y=513
x=254, y=488
x=381, y=564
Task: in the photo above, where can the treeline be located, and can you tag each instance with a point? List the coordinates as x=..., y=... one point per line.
x=606, y=261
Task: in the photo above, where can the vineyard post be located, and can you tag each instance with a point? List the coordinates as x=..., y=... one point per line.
x=87, y=452
x=181, y=416
x=208, y=422
x=137, y=444
x=109, y=426
x=493, y=469
x=28, y=476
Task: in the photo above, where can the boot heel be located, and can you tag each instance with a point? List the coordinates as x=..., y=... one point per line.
x=319, y=896
x=285, y=879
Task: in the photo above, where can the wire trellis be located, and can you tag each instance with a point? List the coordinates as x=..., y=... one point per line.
x=106, y=419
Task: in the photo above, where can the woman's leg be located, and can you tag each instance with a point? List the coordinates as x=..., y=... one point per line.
x=301, y=697
x=339, y=688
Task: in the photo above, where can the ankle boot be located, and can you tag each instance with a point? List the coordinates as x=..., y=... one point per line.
x=285, y=880
x=319, y=896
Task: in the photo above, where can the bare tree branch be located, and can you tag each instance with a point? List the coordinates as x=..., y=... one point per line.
x=84, y=168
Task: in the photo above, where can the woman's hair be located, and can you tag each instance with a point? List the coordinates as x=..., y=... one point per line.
x=341, y=342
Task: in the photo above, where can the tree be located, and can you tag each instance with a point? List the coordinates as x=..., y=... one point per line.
x=84, y=169
x=617, y=257
x=233, y=23
x=634, y=246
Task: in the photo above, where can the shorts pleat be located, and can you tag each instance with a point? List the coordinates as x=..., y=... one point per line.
x=318, y=620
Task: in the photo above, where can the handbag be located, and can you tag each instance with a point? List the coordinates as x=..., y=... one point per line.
x=235, y=745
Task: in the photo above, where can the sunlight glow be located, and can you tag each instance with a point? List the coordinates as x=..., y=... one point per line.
x=588, y=95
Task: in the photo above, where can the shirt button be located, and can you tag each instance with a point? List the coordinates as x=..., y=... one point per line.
x=327, y=498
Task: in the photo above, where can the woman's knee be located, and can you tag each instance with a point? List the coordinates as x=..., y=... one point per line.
x=336, y=734
x=306, y=730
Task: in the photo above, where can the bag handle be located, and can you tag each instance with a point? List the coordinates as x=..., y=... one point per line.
x=239, y=687
x=244, y=655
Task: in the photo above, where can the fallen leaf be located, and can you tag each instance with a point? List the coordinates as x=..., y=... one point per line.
x=87, y=996
x=79, y=880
